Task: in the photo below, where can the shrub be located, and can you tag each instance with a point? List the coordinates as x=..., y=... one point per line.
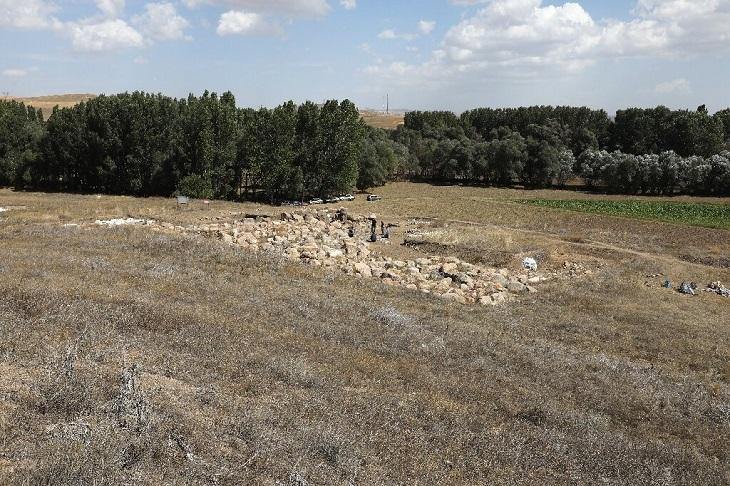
x=195, y=186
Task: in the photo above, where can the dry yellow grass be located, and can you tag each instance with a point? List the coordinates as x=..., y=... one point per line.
x=47, y=103
x=378, y=119
x=256, y=371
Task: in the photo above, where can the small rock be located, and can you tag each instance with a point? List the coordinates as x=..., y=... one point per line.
x=498, y=297
x=363, y=269
x=516, y=287
x=486, y=300
x=454, y=297
x=530, y=264
x=501, y=280
x=448, y=268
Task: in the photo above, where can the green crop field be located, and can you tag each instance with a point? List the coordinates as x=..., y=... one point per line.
x=695, y=214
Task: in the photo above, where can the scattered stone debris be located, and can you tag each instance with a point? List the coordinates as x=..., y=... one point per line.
x=576, y=269
x=123, y=222
x=718, y=288
x=687, y=288
x=321, y=238
x=691, y=288
x=530, y=264
x=339, y=240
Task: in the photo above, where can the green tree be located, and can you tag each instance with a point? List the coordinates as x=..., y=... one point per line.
x=507, y=154
x=195, y=186
x=308, y=139
x=341, y=132
x=21, y=132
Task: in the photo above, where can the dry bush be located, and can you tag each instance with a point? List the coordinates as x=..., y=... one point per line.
x=63, y=389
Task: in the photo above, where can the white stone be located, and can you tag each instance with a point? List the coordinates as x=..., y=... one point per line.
x=363, y=269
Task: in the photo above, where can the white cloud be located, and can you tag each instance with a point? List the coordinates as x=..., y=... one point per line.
x=528, y=37
x=16, y=72
x=425, y=27
x=314, y=8
x=522, y=31
x=246, y=23
x=264, y=17
x=27, y=14
x=106, y=35
x=675, y=86
x=348, y=4
x=104, y=32
x=390, y=34
x=161, y=22
x=110, y=8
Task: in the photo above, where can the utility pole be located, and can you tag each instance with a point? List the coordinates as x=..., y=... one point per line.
x=387, y=104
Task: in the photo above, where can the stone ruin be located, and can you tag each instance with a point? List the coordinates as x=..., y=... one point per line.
x=323, y=239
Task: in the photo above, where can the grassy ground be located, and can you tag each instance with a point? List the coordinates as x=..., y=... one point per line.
x=696, y=214
x=258, y=371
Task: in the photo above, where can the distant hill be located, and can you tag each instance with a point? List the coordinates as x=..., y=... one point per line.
x=46, y=103
x=378, y=119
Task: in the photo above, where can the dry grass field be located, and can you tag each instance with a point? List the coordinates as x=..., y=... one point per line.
x=378, y=119
x=47, y=103
x=134, y=357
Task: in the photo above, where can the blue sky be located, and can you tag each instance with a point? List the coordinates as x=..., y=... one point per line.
x=427, y=54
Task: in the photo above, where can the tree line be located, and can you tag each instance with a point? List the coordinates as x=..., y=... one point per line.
x=663, y=173
x=542, y=146
x=153, y=145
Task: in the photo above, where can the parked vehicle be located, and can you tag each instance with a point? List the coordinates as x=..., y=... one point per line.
x=347, y=197
x=374, y=197
x=316, y=200
x=331, y=199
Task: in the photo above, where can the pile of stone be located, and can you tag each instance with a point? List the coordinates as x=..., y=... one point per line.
x=124, y=222
x=687, y=288
x=719, y=289
x=323, y=238
x=574, y=269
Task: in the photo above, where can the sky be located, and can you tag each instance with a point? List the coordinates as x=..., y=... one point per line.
x=424, y=54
